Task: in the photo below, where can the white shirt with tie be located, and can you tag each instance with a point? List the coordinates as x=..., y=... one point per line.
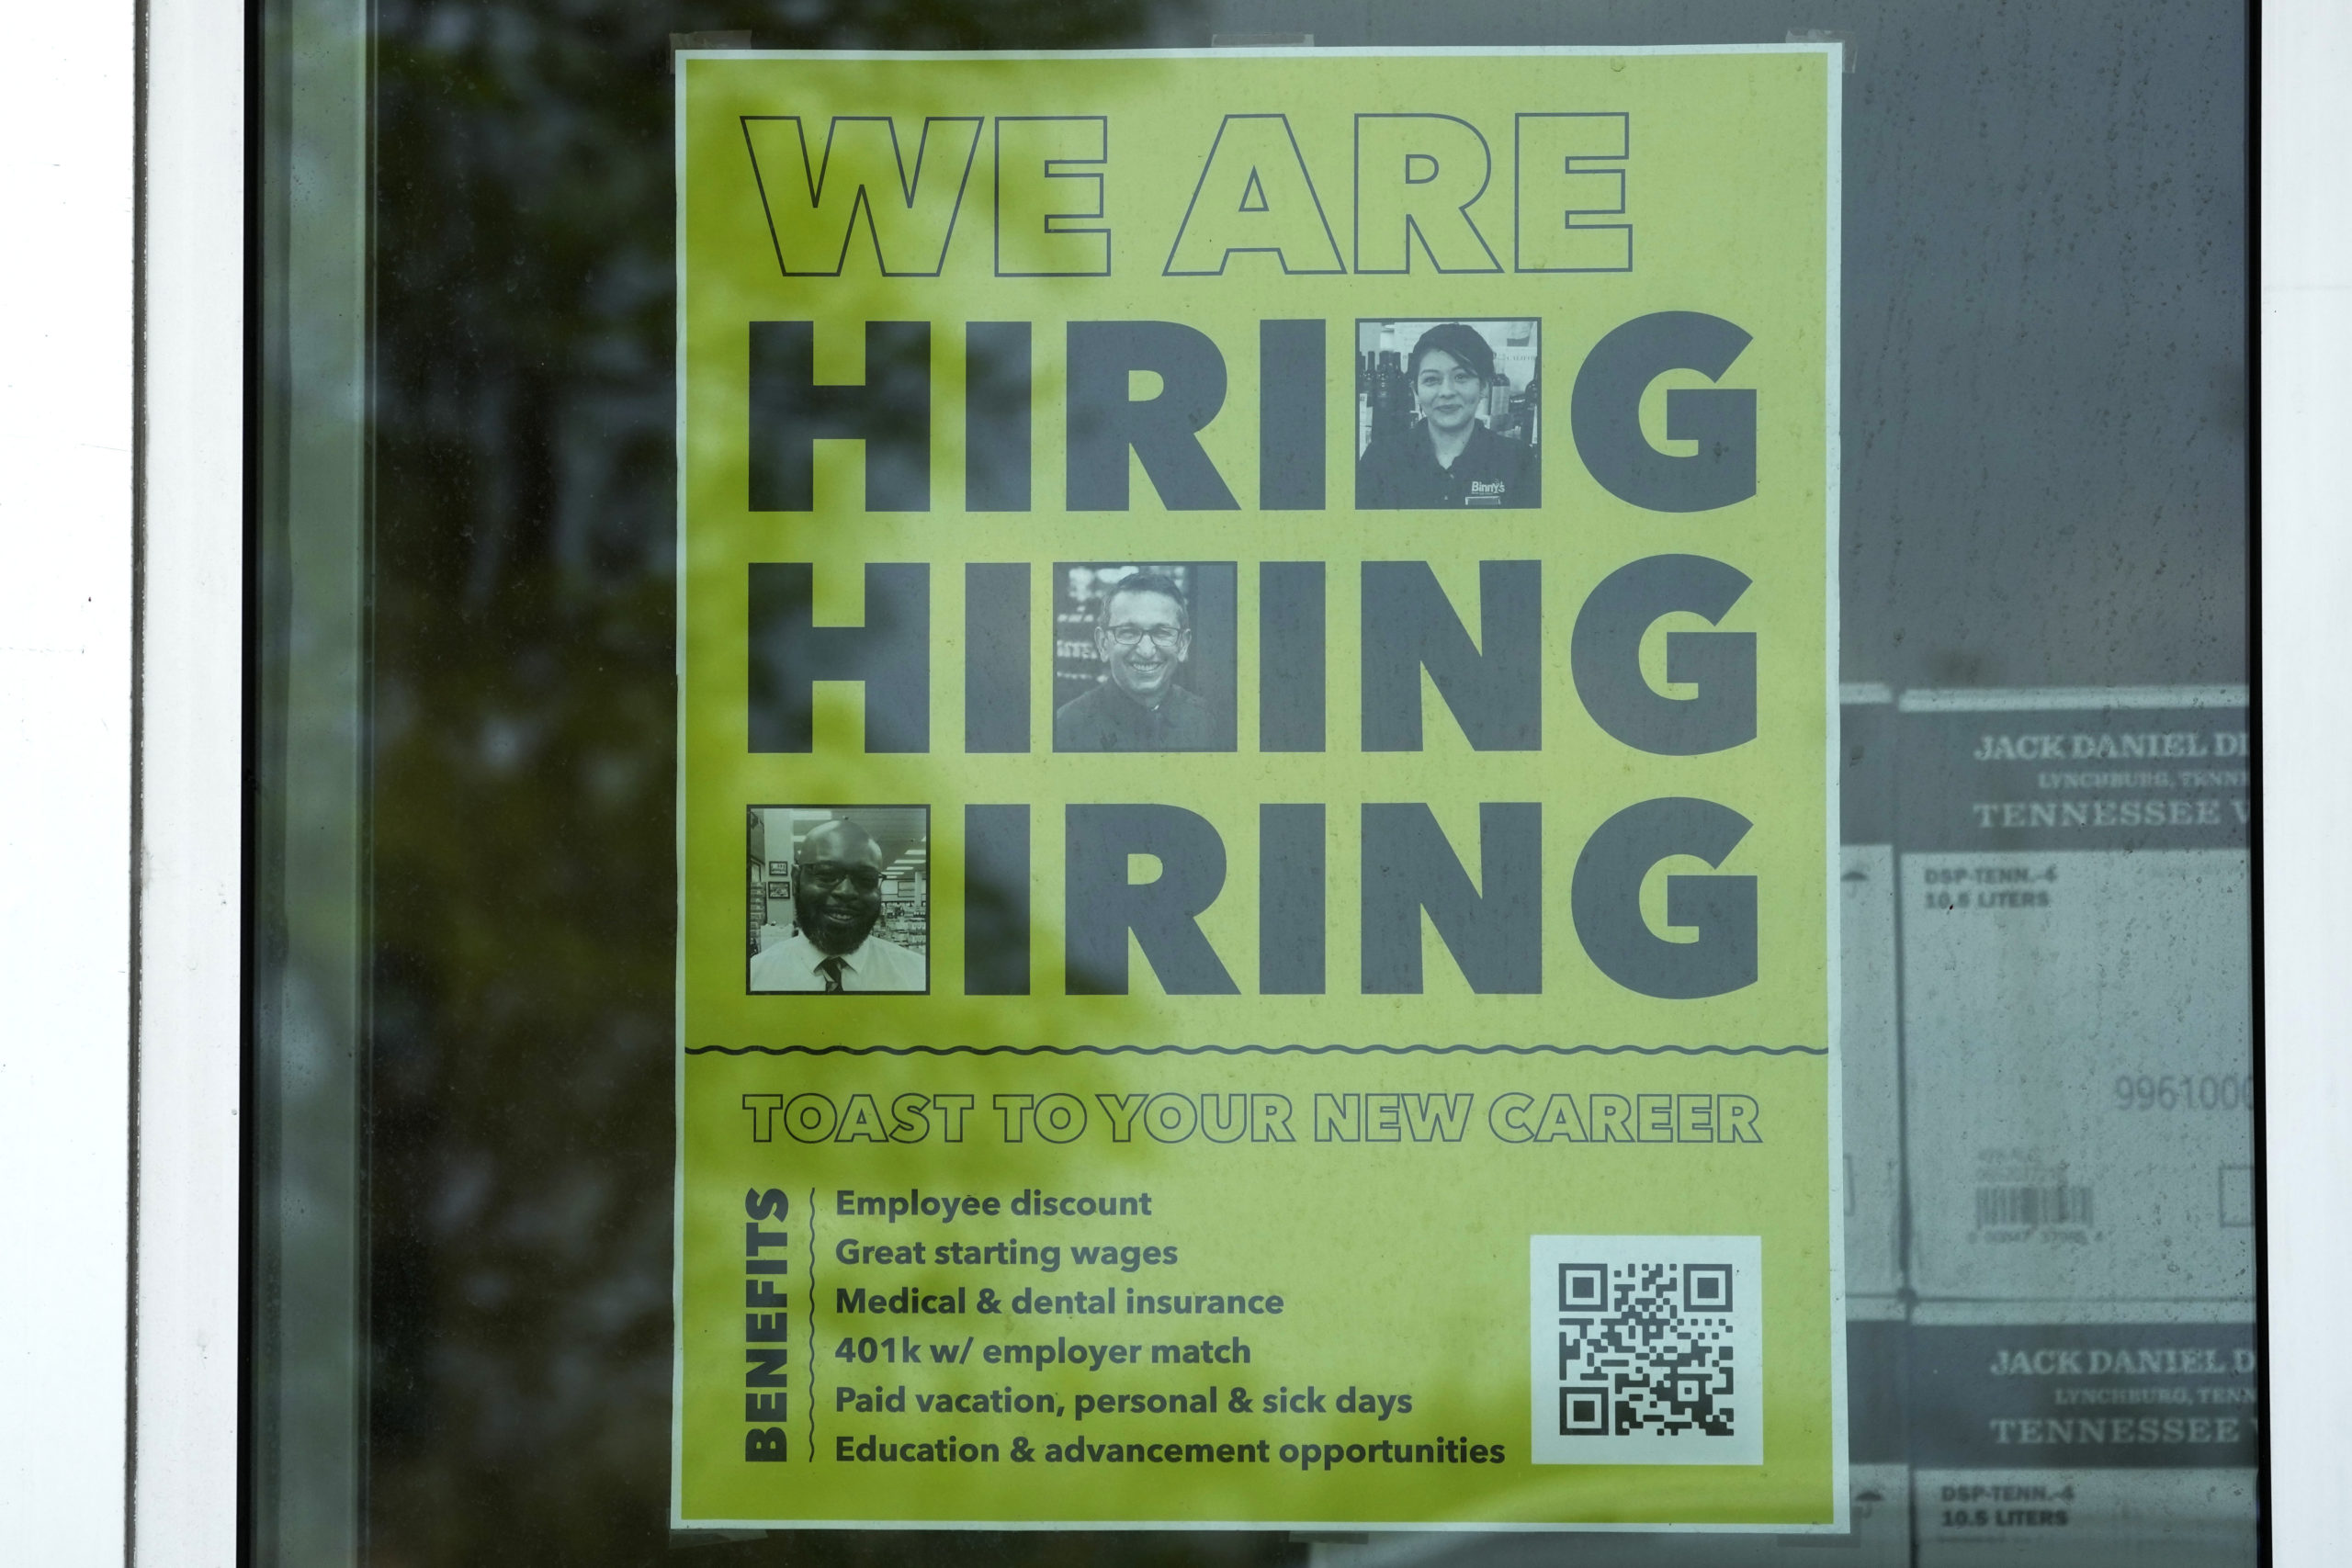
x=795, y=964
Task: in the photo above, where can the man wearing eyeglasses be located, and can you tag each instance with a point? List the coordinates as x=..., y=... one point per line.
x=837, y=893
x=1145, y=632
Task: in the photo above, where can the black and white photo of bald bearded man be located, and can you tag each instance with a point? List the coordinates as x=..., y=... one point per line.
x=837, y=897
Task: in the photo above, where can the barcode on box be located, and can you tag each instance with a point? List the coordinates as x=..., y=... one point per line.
x=2007, y=1207
x=1645, y=1349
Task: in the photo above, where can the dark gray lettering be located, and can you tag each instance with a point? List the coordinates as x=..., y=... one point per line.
x=1604, y=414
x=1605, y=650
x=1163, y=431
x=891, y=653
x=890, y=412
x=1605, y=899
x=1292, y=378
x=1494, y=930
x=1290, y=900
x=996, y=657
x=997, y=387
x=996, y=900
x=1494, y=686
x=1101, y=907
x=1290, y=656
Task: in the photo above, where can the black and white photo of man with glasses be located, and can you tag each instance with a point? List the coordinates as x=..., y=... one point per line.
x=1144, y=635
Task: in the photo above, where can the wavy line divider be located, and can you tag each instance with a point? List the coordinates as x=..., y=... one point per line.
x=1254, y=1050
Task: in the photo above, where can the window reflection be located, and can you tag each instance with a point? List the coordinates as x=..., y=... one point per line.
x=2046, y=473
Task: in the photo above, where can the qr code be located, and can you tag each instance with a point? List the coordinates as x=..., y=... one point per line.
x=1645, y=1349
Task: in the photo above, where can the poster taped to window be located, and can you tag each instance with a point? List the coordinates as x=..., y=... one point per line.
x=1257, y=816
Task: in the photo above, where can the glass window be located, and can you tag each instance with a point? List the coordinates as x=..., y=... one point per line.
x=467, y=756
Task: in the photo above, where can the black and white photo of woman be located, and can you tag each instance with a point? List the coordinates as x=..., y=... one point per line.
x=1441, y=453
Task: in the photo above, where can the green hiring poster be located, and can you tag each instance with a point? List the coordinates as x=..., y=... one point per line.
x=1256, y=820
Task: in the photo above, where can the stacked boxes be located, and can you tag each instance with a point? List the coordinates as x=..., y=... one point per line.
x=2076, y=928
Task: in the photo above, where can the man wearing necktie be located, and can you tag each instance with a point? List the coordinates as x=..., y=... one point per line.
x=1145, y=632
x=837, y=893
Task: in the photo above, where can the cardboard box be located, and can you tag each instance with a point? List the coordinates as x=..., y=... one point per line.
x=2077, y=983
x=2076, y=994
x=2113, y=1434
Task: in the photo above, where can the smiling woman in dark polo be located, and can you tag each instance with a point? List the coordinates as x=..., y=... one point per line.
x=1144, y=633
x=1446, y=458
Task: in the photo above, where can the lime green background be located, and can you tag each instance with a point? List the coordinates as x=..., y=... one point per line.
x=1727, y=194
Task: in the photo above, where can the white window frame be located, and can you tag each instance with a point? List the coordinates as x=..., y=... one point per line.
x=2304, y=344
x=67, y=434
x=183, y=1488
x=123, y=539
